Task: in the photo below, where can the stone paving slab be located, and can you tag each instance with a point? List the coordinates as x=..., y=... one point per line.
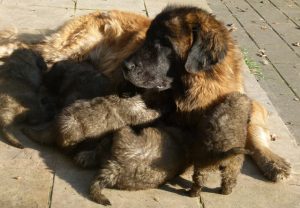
x=43, y=17
x=127, y=5
x=25, y=187
x=44, y=168
x=25, y=177
x=71, y=188
x=290, y=8
x=271, y=14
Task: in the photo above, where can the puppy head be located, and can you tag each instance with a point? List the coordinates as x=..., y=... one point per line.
x=150, y=66
x=179, y=40
x=28, y=66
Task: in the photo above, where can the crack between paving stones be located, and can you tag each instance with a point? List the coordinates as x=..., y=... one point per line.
x=201, y=201
x=51, y=191
x=146, y=10
x=285, y=13
x=276, y=70
x=273, y=29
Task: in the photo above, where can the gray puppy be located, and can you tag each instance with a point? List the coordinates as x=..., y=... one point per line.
x=88, y=120
x=20, y=80
x=221, y=141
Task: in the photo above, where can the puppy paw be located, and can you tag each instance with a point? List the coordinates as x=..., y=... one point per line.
x=101, y=199
x=193, y=192
x=104, y=202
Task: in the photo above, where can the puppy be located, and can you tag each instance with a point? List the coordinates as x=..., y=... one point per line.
x=188, y=50
x=222, y=128
x=88, y=120
x=20, y=80
x=138, y=161
x=70, y=81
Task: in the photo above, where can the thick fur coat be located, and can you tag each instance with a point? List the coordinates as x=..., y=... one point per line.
x=187, y=50
x=222, y=129
x=89, y=120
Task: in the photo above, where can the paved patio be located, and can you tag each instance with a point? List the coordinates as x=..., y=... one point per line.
x=40, y=176
x=272, y=26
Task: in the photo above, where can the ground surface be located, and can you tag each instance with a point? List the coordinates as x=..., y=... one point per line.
x=272, y=26
x=42, y=177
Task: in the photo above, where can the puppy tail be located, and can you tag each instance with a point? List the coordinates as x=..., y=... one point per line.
x=7, y=35
x=44, y=134
x=107, y=177
x=9, y=136
x=232, y=152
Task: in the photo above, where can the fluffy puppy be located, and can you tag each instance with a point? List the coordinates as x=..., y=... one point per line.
x=87, y=120
x=188, y=50
x=138, y=161
x=222, y=128
x=70, y=81
x=20, y=80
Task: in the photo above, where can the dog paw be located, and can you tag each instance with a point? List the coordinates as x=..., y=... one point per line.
x=101, y=199
x=104, y=202
x=193, y=192
x=276, y=169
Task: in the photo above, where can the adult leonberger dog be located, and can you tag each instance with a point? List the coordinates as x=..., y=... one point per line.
x=188, y=50
x=183, y=48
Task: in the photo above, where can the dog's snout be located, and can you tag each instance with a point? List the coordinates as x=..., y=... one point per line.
x=129, y=65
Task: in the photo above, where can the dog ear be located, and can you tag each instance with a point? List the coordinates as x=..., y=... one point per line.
x=208, y=48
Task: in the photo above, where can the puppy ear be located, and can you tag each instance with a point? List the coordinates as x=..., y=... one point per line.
x=208, y=48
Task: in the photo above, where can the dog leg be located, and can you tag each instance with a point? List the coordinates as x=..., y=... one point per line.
x=199, y=179
x=229, y=174
x=107, y=177
x=96, y=157
x=73, y=40
x=41, y=134
x=86, y=159
x=273, y=166
x=9, y=135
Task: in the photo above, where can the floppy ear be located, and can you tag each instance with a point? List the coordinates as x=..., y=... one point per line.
x=208, y=48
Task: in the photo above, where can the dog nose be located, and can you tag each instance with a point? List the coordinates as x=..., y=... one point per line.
x=129, y=65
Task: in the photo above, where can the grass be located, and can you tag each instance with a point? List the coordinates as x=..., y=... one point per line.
x=253, y=66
